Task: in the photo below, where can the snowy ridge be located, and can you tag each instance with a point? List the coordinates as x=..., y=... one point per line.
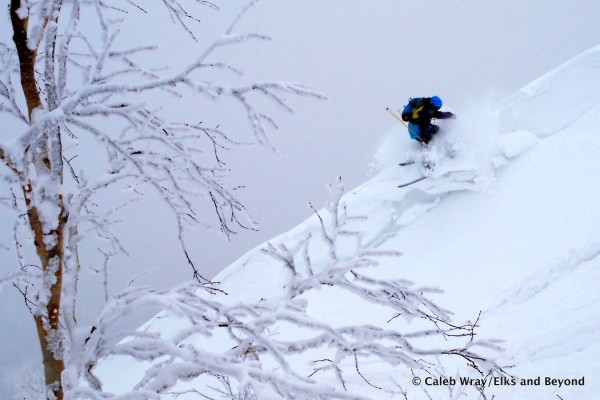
x=556, y=100
x=506, y=223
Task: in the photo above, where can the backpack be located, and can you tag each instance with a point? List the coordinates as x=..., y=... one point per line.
x=410, y=113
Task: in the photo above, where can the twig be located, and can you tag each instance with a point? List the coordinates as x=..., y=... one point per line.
x=25, y=298
x=361, y=375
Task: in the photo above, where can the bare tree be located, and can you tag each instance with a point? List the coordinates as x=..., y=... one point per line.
x=65, y=79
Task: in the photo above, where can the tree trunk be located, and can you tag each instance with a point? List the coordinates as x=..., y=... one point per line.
x=27, y=58
x=49, y=239
x=47, y=319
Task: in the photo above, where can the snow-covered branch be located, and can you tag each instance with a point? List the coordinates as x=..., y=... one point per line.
x=282, y=347
x=8, y=66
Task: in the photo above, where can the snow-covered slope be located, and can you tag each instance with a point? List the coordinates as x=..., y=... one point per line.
x=506, y=223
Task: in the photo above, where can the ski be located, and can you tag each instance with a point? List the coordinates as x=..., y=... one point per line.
x=411, y=182
x=404, y=164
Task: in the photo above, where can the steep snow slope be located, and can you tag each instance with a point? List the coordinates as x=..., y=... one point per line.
x=506, y=224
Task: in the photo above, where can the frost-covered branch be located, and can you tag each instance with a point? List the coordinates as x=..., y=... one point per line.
x=399, y=296
x=282, y=347
x=8, y=66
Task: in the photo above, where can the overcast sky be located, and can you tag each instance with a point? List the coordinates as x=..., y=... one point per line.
x=364, y=56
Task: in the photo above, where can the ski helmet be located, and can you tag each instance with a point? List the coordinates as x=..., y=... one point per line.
x=436, y=101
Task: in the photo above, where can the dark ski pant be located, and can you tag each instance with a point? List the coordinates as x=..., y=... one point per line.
x=429, y=132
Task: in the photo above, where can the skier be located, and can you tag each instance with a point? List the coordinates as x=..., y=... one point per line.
x=419, y=112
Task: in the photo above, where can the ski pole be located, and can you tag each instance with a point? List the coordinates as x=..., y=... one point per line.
x=397, y=117
x=406, y=125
